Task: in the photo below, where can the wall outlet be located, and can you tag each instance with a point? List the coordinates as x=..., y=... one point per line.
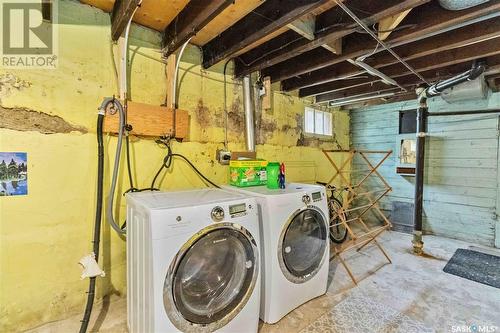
x=223, y=156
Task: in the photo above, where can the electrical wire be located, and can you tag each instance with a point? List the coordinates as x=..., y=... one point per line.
x=167, y=162
x=362, y=58
x=270, y=52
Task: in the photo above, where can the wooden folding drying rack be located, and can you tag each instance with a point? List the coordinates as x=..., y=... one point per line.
x=359, y=233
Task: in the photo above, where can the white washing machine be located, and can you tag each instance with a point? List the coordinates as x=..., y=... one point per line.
x=295, y=246
x=192, y=262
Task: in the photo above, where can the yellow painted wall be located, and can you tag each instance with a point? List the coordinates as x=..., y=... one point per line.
x=44, y=234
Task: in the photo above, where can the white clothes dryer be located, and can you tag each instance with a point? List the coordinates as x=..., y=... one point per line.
x=295, y=246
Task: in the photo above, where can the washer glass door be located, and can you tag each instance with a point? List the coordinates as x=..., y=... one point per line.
x=303, y=245
x=212, y=279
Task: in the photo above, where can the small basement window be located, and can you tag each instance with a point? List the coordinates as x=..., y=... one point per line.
x=407, y=121
x=407, y=149
x=318, y=122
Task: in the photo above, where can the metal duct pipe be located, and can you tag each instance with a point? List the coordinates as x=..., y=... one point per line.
x=439, y=87
x=248, y=106
x=422, y=114
x=358, y=98
x=460, y=4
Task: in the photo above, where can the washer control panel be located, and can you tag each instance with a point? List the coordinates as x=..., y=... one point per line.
x=237, y=210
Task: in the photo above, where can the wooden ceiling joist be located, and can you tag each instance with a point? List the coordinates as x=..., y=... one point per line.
x=474, y=33
x=325, y=33
x=410, y=81
x=445, y=58
x=272, y=15
x=224, y=20
x=346, y=84
x=429, y=19
x=121, y=15
x=196, y=15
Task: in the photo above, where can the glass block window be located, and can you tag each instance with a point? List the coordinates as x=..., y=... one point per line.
x=318, y=122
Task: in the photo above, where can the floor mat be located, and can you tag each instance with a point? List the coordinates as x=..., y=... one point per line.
x=476, y=266
x=358, y=314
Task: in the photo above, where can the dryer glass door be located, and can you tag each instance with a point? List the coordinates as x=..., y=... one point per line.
x=213, y=278
x=303, y=245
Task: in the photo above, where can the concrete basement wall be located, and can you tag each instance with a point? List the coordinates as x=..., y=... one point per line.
x=51, y=115
x=461, y=183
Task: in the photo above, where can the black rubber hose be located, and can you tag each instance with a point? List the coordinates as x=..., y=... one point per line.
x=97, y=223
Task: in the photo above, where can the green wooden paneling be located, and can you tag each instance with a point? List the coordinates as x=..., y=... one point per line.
x=461, y=193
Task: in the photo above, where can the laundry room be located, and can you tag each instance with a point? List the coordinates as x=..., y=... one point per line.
x=249, y=166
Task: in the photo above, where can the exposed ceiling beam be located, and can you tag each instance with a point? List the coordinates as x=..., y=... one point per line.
x=196, y=15
x=430, y=19
x=447, y=58
x=475, y=33
x=451, y=57
x=325, y=35
x=262, y=21
x=123, y=10
x=409, y=81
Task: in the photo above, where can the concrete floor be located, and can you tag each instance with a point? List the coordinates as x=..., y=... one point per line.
x=415, y=286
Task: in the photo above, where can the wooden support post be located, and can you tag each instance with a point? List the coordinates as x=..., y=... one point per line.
x=170, y=74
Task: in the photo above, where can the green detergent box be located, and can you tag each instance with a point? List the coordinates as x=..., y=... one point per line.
x=243, y=173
